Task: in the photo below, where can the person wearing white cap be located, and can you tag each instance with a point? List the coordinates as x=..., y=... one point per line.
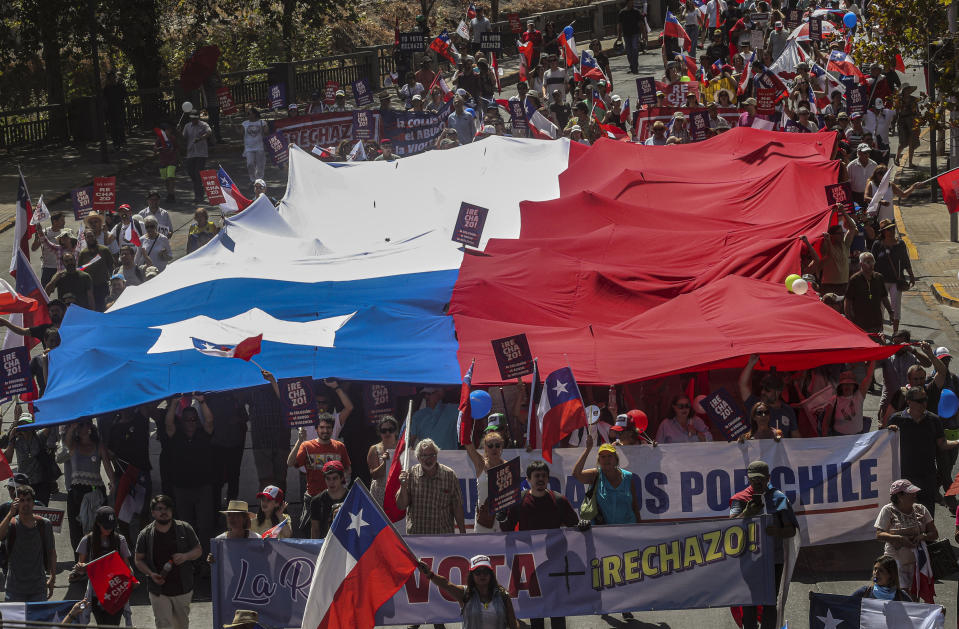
x=484, y=602
x=877, y=121
x=255, y=130
x=777, y=40
x=860, y=170
x=409, y=89
x=903, y=523
x=576, y=135
x=259, y=187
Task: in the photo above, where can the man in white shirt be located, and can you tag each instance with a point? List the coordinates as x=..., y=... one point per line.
x=860, y=170
x=162, y=216
x=154, y=247
x=554, y=79
x=255, y=131
x=478, y=25
x=714, y=12
x=877, y=121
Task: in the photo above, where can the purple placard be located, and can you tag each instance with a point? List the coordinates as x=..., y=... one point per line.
x=469, y=224
x=377, y=400
x=277, y=96
x=856, y=100
x=363, y=125
x=840, y=193
x=793, y=18
x=517, y=116
x=298, y=401
x=15, y=373
x=504, y=485
x=815, y=28
x=362, y=94
x=725, y=413
x=699, y=125
x=82, y=202
x=278, y=147
x=646, y=90
x=513, y=356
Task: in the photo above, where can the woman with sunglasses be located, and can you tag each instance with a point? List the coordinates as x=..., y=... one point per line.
x=683, y=426
x=759, y=427
x=485, y=604
x=493, y=444
x=378, y=457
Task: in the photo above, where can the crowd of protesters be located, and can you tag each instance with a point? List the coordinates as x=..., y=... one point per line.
x=861, y=270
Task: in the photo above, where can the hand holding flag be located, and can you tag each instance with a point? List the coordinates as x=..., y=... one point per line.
x=561, y=410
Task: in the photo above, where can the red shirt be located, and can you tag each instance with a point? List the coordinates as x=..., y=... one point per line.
x=534, y=36
x=313, y=455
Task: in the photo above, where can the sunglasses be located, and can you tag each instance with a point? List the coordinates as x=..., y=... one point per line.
x=681, y=405
x=921, y=400
x=189, y=421
x=762, y=413
x=387, y=431
x=498, y=444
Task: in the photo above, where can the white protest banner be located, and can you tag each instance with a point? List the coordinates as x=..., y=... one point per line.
x=836, y=484
x=559, y=572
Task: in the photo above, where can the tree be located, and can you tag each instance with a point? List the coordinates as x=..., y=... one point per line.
x=909, y=27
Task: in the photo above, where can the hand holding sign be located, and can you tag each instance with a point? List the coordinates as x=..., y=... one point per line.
x=469, y=224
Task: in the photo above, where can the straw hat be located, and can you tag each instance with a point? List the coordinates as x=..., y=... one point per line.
x=237, y=506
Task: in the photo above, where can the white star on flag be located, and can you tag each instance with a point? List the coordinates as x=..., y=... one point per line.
x=357, y=523
x=560, y=388
x=828, y=621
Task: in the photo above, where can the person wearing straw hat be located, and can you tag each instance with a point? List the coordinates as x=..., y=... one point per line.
x=243, y=619
x=238, y=521
x=892, y=262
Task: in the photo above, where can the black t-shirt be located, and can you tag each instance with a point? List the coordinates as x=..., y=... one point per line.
x=918, y=447
x=866, y=299
x=39, y=332
x=546, y=512
x=101, y=269
x=130, y=441
x=321, y=510
x=164, y=546
x=191, y=458
x=78, y=284
x=630, y=21
x=562, y=113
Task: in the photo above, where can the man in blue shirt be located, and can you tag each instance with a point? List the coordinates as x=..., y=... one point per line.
x=436, y=420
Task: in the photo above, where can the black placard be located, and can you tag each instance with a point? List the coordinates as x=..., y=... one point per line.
x=469, y=224
x=491, y=42
x=646, y=90
x=840, y=193
x=298, y=401
x=504, y=483
x=815, y=28
x=724, y=412
x=413, y=42
x=513, y=356
x=699, y=125
x=15, y=373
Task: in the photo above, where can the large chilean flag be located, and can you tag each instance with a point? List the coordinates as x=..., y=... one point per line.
x=362, y=564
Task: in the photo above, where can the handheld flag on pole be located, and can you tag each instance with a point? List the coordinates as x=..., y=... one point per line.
x=131, y=235
x=560, y=410
x=880, y=192
x=244, y=350
x=949, y=183
x=41, y=213
x=444, y=47
x=672, y=28
x=464, y=421
x=112, y=581
x=235, y=201
x=397, y=465
x=525, y=50
x=22, y=227
x=363, y=562
x=531, y=431
x=567, y=43
x=589, y=68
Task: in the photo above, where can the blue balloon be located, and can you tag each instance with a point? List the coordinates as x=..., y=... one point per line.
x=948, y=404
x=481, y=404
x=850, y=20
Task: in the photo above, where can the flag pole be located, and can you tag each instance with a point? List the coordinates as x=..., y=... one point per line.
x=933, y=178
x=532, y=398
x=406, y=437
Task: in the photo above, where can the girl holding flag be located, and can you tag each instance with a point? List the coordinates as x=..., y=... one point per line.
x=271, y=516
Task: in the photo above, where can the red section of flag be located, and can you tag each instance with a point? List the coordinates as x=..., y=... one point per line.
x=949, y=183
x=248, y=348
x=125, y=484
x=393, y=512
x=5, y=471
x=112, y=581
x=464, y=422
x=900, y=65
x=132, y=236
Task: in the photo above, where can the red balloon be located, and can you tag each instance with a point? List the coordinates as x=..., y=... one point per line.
x=639, y=419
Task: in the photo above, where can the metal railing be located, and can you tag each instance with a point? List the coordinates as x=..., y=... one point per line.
x=59, y=123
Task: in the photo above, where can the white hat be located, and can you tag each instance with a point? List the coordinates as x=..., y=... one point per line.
x=575, y=127
x=863, y=147
x=622, y=422
x=259, y=182
x=878, y=103
x=489, y=129
x=943, y=352
x=615, y=98
x=480, y=561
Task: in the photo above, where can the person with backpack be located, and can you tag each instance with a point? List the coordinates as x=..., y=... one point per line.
x=540, y=508
x=31, y=551
x=165, y=552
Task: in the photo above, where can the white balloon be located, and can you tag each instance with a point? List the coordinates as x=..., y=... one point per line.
x=187, y=106
x=698, y=404
x=800, y=286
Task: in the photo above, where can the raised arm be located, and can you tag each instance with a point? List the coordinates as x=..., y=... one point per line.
x=867, y=381
x=479, y=463
x=207, y=419
x=16, y=329
x=272, y=380
x=745, y=377
x=344, y=399
x=300, y=438
x=585, y=476
x=458, y=592
x=169, y=422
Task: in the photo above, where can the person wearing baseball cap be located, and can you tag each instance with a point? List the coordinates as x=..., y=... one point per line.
x=782, y=417
x=921, y=439
x=760, y=498
x=624, y=431
x=892, y=262
x=483, y=601
x=612, y=485
x=902, y=524
x=101, y=541
x=324, y=506
x=271, y=513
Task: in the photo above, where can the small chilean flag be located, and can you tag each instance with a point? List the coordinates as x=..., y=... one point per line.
x=624, y=112
x=235, y=201
x=672, y=28
x=567, y=42
x=560, y=410
x=844, y=64
x=589, y=68
x=244, y=350
x=464, y=421
x=525, y=59
x=132, y=236
x=11, y=301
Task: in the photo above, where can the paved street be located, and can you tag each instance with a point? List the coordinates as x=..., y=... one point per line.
x=831, y=570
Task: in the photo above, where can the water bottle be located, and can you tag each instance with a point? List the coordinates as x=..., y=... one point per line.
x=167, y=568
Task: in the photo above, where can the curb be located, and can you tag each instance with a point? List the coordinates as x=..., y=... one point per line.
x=943, y=297
x=901, y=226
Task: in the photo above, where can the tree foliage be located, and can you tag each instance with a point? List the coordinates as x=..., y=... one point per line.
x=908, y=27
